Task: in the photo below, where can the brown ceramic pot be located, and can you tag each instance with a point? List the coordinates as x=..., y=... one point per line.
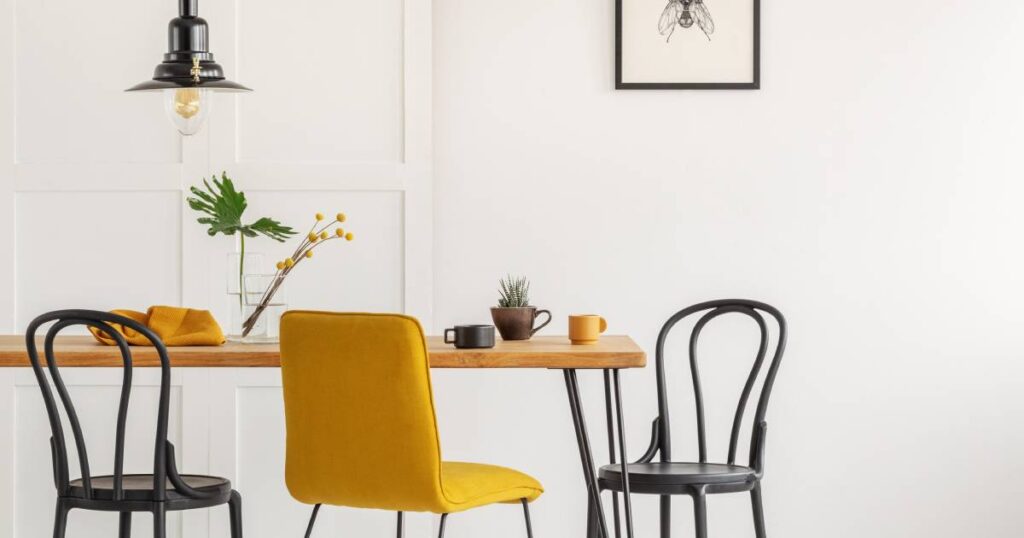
x=517, y=323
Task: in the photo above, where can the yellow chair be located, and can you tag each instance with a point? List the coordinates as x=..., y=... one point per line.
x=361, y=426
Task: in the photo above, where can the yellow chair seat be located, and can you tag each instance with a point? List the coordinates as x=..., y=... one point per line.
x=468, y=485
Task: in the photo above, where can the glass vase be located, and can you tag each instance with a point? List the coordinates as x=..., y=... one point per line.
x=264, y=303
x=238, y=266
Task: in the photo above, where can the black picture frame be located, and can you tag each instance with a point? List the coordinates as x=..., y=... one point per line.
x=754, y=85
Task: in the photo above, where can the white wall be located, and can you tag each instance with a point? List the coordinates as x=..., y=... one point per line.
x=871, y=190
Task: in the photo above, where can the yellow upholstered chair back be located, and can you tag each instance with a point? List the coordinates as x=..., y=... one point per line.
x=359, y=412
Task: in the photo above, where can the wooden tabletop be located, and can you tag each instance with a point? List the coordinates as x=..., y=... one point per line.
x=539, y=352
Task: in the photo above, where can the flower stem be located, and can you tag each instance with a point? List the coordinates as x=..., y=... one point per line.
x=306, y=245
x=241, y=273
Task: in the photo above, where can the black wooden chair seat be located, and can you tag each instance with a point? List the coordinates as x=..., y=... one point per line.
x=139, y=487
x=675, y=474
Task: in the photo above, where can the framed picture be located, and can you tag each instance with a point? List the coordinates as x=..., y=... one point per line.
x=688, y=44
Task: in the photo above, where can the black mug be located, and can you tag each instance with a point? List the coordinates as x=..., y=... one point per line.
x=471, y=336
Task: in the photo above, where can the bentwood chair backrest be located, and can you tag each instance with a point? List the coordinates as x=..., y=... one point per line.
x=709, y=311
x=105, y=322
x=359, y=412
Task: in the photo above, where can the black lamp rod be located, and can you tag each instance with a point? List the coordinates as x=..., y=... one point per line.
x=188, y=8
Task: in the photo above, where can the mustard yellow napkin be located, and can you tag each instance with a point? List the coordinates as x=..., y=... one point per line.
x=175, y=326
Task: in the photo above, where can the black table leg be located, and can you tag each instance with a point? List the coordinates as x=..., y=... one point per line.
x=616, y=423
x=627, y=501
x=586, y=455
x=610, y=426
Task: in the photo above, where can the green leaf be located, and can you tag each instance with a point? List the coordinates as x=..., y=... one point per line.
x=222, y=203
x=223, y=207
x=514, y=292
x=272, y=229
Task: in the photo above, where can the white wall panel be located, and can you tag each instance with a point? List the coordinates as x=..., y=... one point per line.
x=260, y=427
x=328, y=87
x=346, y=128
x=363, y=275
x=73, y=61
x=97, y=250
x=7, y=168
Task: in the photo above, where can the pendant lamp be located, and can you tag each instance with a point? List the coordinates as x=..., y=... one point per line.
x=188, y=75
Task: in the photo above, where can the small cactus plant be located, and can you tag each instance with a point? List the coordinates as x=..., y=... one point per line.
x=514, y=292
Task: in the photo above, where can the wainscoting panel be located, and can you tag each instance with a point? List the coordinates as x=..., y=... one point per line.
x=365, y=274
x=72, y=68
x=7, y=171
x=93, y=185
x=98, y=250
x=331, y=92
x=94, y=182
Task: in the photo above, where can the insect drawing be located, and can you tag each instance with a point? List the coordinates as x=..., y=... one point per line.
x=684, y=13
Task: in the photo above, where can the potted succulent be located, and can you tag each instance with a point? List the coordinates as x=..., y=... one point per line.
x=514, y=316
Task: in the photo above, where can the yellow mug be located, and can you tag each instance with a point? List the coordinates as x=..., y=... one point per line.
x=586, y=328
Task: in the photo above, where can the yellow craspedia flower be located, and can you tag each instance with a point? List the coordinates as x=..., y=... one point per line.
x=309, y=253
x=340, y=232
x=280, y=266
x=312, y=236
x=319, y=216
x=288, y=262
x=340, y=217
x=349, y=236
x=323, y=234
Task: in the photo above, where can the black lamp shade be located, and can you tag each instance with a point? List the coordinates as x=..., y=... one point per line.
x=188, y=62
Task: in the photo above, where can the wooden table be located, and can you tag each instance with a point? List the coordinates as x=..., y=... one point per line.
x=553, y=352
x=610, y=355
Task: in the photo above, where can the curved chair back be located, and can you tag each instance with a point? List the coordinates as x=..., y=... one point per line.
x=359, y=412
x=102, y=321
x=710, y=311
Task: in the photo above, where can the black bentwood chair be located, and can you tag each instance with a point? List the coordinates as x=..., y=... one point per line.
x=164, y=490
x=699, y=479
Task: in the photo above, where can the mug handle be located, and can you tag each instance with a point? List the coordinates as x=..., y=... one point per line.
x=446, y=340
x=604, y=326
x=542, y=325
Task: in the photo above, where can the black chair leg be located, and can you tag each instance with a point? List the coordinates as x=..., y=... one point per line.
x=312, y=520
x=235, y=514
x=401, y=525
x=526, y=514
x=124, y=527
x=700, y=514
x=592, y=523
x=440, y=533
x=666, y=516
x=159, y=520
x=617, y=523
x=60, y=522
x=755, y=501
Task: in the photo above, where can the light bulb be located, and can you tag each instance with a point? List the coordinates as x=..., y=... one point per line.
x=187, y=108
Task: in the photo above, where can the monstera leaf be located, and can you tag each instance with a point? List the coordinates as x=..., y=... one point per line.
x=223, y=206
